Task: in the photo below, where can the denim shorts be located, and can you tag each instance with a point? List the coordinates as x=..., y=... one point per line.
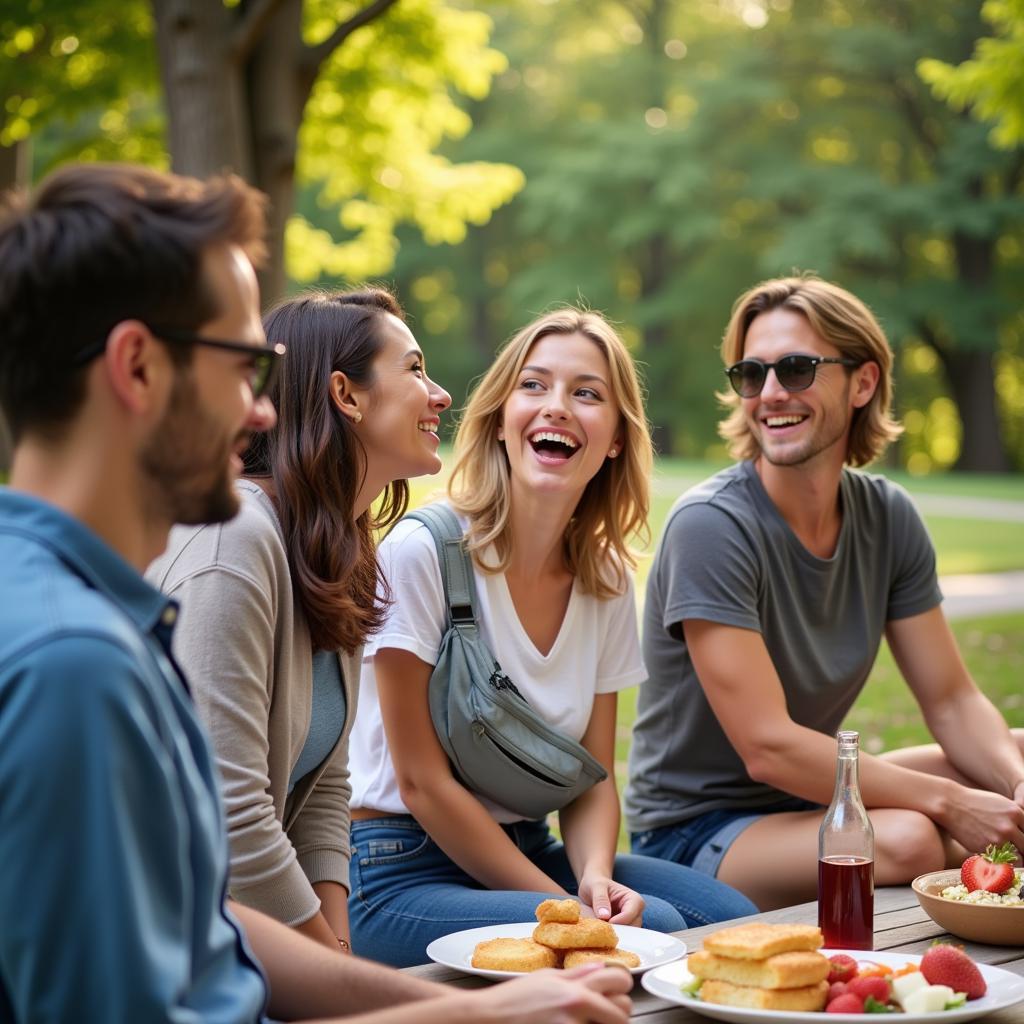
x=702, y=842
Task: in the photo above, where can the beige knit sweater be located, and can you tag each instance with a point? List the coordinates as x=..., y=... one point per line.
x=243, y=642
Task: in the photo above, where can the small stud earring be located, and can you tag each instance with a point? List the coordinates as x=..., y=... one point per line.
x=613, y=453
x=357, y=417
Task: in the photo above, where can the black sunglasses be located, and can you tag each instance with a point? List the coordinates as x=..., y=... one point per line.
x=794, y=373
x=266, y=359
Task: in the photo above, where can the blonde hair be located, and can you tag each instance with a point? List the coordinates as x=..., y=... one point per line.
x=842, y=320
x=616, y=501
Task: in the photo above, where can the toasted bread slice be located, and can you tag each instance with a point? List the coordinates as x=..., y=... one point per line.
x=577, y=957
x=562, y=911
x=810, y=998
x=587, y=933
x=760, y=941
x=784, y=970
x=513, y=955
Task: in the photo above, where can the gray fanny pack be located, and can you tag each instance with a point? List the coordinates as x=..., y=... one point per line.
x=498, y=745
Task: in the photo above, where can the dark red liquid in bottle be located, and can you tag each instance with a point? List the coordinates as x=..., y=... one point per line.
x=846, y=902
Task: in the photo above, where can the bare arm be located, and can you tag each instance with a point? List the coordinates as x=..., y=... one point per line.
x=971, y=731
x=452, y=816
x=744, y=691
x=330, y=922
x=590, y=826
x=580, y=996
x=309, y=981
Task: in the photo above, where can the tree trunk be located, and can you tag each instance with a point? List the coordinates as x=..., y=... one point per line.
x=276, y=99
x=973, y=385
x=969, y=366
x=207, y=128
x=654, y=263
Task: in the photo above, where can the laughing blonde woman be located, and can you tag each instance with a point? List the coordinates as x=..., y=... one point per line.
x=553, y=458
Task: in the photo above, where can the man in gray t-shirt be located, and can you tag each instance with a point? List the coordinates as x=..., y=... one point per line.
x=771, y=589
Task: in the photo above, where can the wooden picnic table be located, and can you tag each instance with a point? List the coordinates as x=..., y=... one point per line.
x=901, y=926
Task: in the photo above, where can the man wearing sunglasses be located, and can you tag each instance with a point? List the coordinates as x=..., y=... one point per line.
x=773, y=585
x=132, y=364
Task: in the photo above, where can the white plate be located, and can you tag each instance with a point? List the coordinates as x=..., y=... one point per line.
x=456, y=950
x=1004, y=989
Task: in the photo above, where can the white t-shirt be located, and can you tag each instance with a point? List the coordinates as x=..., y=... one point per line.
x=597, y=651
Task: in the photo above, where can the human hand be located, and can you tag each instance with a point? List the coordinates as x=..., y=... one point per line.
x=1018, y=794
x=610, y=900
x=593, y=994
x=977, y=817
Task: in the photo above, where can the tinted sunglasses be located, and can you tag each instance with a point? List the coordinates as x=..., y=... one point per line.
x=266, y=359
x=794, y=373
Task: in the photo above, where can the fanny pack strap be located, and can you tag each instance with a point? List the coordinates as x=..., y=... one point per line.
x=456, y=569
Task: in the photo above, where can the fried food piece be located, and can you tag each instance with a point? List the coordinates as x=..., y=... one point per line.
x=760, y=941
x=562, y=911
x=577, y=957
x=784, y=970
x=587, y=933
x=810, y=998
x=513, y=955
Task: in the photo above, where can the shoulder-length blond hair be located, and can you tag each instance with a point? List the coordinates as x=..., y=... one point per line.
x=615, y=503
x=842, y=320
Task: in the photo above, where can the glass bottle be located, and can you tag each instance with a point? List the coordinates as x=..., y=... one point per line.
x=846, y=859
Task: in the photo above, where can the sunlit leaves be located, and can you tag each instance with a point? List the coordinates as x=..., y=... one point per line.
x=991, y=84
x=64, y=58
x=379, y=110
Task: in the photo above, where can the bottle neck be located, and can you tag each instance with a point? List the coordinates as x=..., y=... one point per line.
x=846, y=828
x=847, y=775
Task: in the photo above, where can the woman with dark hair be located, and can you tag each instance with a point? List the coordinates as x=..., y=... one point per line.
x=277, y=603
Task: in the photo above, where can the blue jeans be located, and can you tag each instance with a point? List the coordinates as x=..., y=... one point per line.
x=702, y=842
x=406, y=892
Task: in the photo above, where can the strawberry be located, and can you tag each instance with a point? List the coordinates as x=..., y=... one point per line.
x=877, y=987
x=943, y=964
x=991, y=870
x=846, y=1003
x=841, y=968
x=837, y=988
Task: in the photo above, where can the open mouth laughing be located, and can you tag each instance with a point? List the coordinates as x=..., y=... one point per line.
x=554, y=445
x=781, y=422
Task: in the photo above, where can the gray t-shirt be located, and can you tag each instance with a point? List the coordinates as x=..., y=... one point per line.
x=728, y=556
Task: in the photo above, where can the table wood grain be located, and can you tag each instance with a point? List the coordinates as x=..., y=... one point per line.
x=901, y=926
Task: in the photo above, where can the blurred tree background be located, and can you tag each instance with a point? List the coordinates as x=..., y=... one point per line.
x=650, y=158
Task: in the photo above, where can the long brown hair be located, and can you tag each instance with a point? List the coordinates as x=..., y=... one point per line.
x=318, y=463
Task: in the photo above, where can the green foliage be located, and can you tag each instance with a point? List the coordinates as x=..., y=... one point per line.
x=991, y=83
x=368, y=146
x=80, y=77
x=88, y=68
x=675, y=154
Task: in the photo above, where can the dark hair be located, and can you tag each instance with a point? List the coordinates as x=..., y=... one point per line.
x=97, y=244
x=318, y=463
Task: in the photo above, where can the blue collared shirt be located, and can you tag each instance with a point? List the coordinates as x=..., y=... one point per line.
x=113, y=856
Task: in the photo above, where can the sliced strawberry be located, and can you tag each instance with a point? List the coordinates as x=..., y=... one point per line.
x=991, y=870
x=943, y=964
x=841, y=968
